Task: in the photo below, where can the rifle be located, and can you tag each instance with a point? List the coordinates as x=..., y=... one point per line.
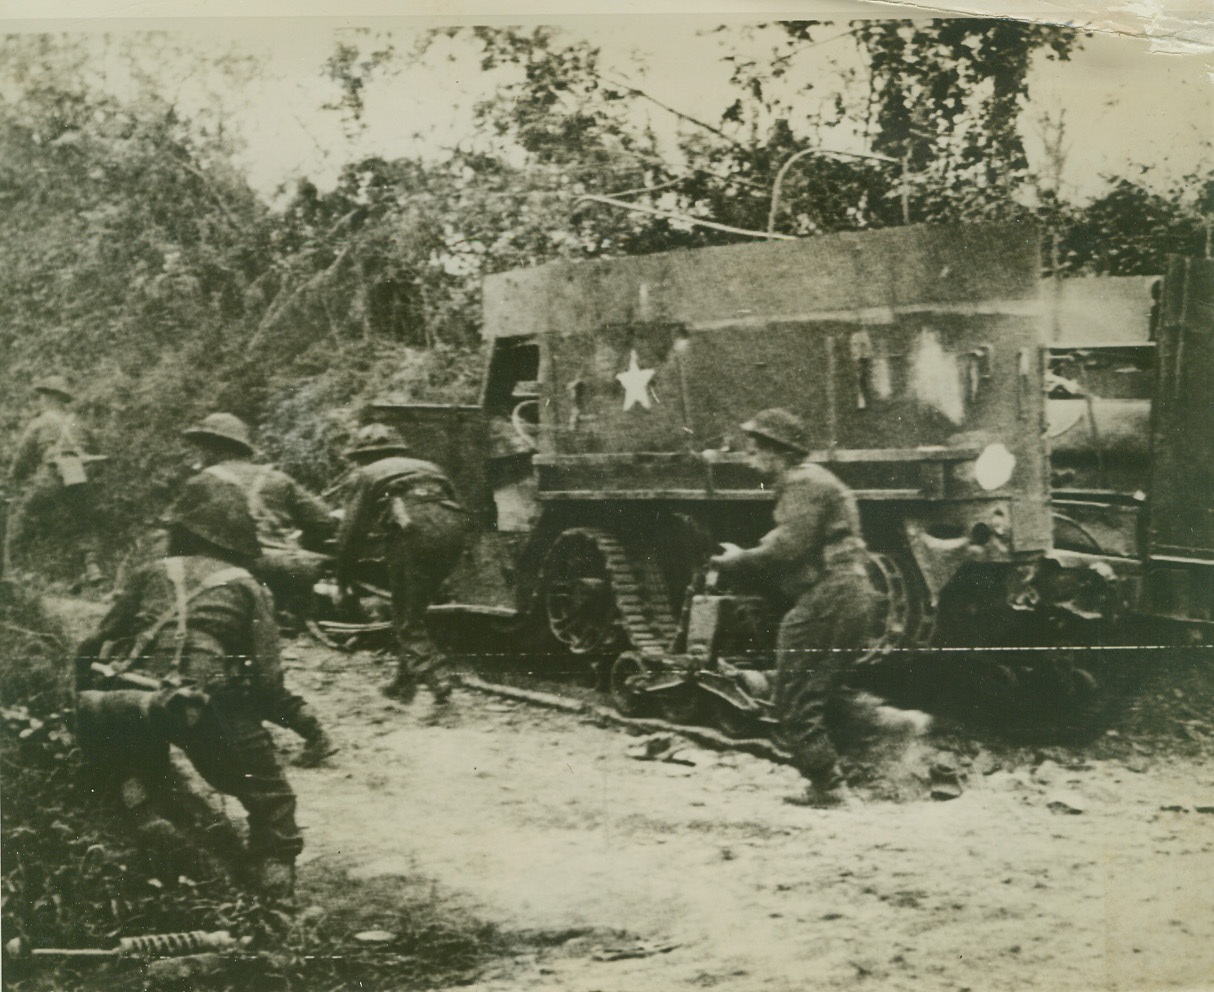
x=132, y=680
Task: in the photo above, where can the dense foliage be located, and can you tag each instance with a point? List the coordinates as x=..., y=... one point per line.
x=137, y=261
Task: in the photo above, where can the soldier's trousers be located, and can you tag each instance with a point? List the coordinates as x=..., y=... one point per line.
x=228, y=747
x=46, y=498
x=819, y=640
x=420, y=558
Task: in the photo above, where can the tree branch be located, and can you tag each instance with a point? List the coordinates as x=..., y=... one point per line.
x=637, y=91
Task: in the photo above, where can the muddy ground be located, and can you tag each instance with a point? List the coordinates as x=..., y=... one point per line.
x=1081, y=868
x=1084, y=867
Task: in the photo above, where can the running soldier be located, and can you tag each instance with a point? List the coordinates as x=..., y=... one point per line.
x=402, y=512
x=291, y=522
x=816, y=556
x=49, y=477
x=196, y=632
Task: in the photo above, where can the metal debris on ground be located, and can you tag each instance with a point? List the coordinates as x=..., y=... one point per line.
x=375, y=937
x=945, y=782
x=638, y=950
x=1068, y=803
x=666, y=747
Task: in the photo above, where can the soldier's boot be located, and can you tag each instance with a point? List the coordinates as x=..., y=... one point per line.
x=827, y=789
x=411, y=668
x=440, y=685
x=315, y=750
x=420, y=662
x=274, y=877
x=403, y=688
x=318, y=745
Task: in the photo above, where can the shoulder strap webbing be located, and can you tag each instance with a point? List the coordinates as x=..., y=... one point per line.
x=257, y=506
x=66, y=441
x=179, y=612
x=175, y=568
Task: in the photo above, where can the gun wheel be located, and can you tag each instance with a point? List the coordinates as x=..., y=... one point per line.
x=904, y=618
x=627, y=671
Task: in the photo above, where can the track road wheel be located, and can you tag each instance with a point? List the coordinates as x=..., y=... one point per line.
x=625, y=672
x=577, y=595
x=903, y=618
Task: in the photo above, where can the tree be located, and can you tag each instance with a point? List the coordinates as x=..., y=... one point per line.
x=1131, y=230
x=126, y=249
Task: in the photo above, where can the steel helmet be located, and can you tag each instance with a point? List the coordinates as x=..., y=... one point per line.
x=224, y=428
x=56, y=385
x=377, y=439
x=218, y=512
x=779, y=427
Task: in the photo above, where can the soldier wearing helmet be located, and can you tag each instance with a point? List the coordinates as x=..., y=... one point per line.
x=292, y=524
x=49, y=474
x=201, y=625
x=816, y=556
x=402, y=512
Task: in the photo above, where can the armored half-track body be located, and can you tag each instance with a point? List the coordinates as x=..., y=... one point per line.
x=611, y=447
x=1132, y=453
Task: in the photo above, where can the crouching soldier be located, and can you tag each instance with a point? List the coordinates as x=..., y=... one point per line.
x=402, y=511
x=292, y=524
x=195, y=634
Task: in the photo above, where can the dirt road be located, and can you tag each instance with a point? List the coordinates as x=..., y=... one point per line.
x=1094, y=876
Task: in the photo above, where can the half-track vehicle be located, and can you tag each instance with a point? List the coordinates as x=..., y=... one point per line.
x=606, y=449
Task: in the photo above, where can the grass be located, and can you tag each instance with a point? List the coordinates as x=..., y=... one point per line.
x=73, y=877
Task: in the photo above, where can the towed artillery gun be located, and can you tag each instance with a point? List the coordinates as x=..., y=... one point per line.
x=604, y=460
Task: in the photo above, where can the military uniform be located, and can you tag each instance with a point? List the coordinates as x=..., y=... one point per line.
x=218, y=657
x=48, y=477
x=282, y=509
x=817, y=559
x=403, y=511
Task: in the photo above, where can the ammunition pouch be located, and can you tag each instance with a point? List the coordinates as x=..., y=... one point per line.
x=70, y=468
x=123, y=725
x=128, y=724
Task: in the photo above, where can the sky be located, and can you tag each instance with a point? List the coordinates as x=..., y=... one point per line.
x=1126, y=104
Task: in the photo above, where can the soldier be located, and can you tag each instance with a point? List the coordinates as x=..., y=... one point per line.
x=49, y=475
x=199, y=626
x=402, y=511
x=288, y=517
x=816, y=555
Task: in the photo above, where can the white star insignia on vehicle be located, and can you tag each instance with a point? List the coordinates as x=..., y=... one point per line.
x=636, y=384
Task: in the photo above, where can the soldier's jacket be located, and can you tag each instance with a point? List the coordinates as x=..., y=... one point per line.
x=230, y=635
x=48, y=434
x=816, y=519
x=415, y=481
x=278, y=504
